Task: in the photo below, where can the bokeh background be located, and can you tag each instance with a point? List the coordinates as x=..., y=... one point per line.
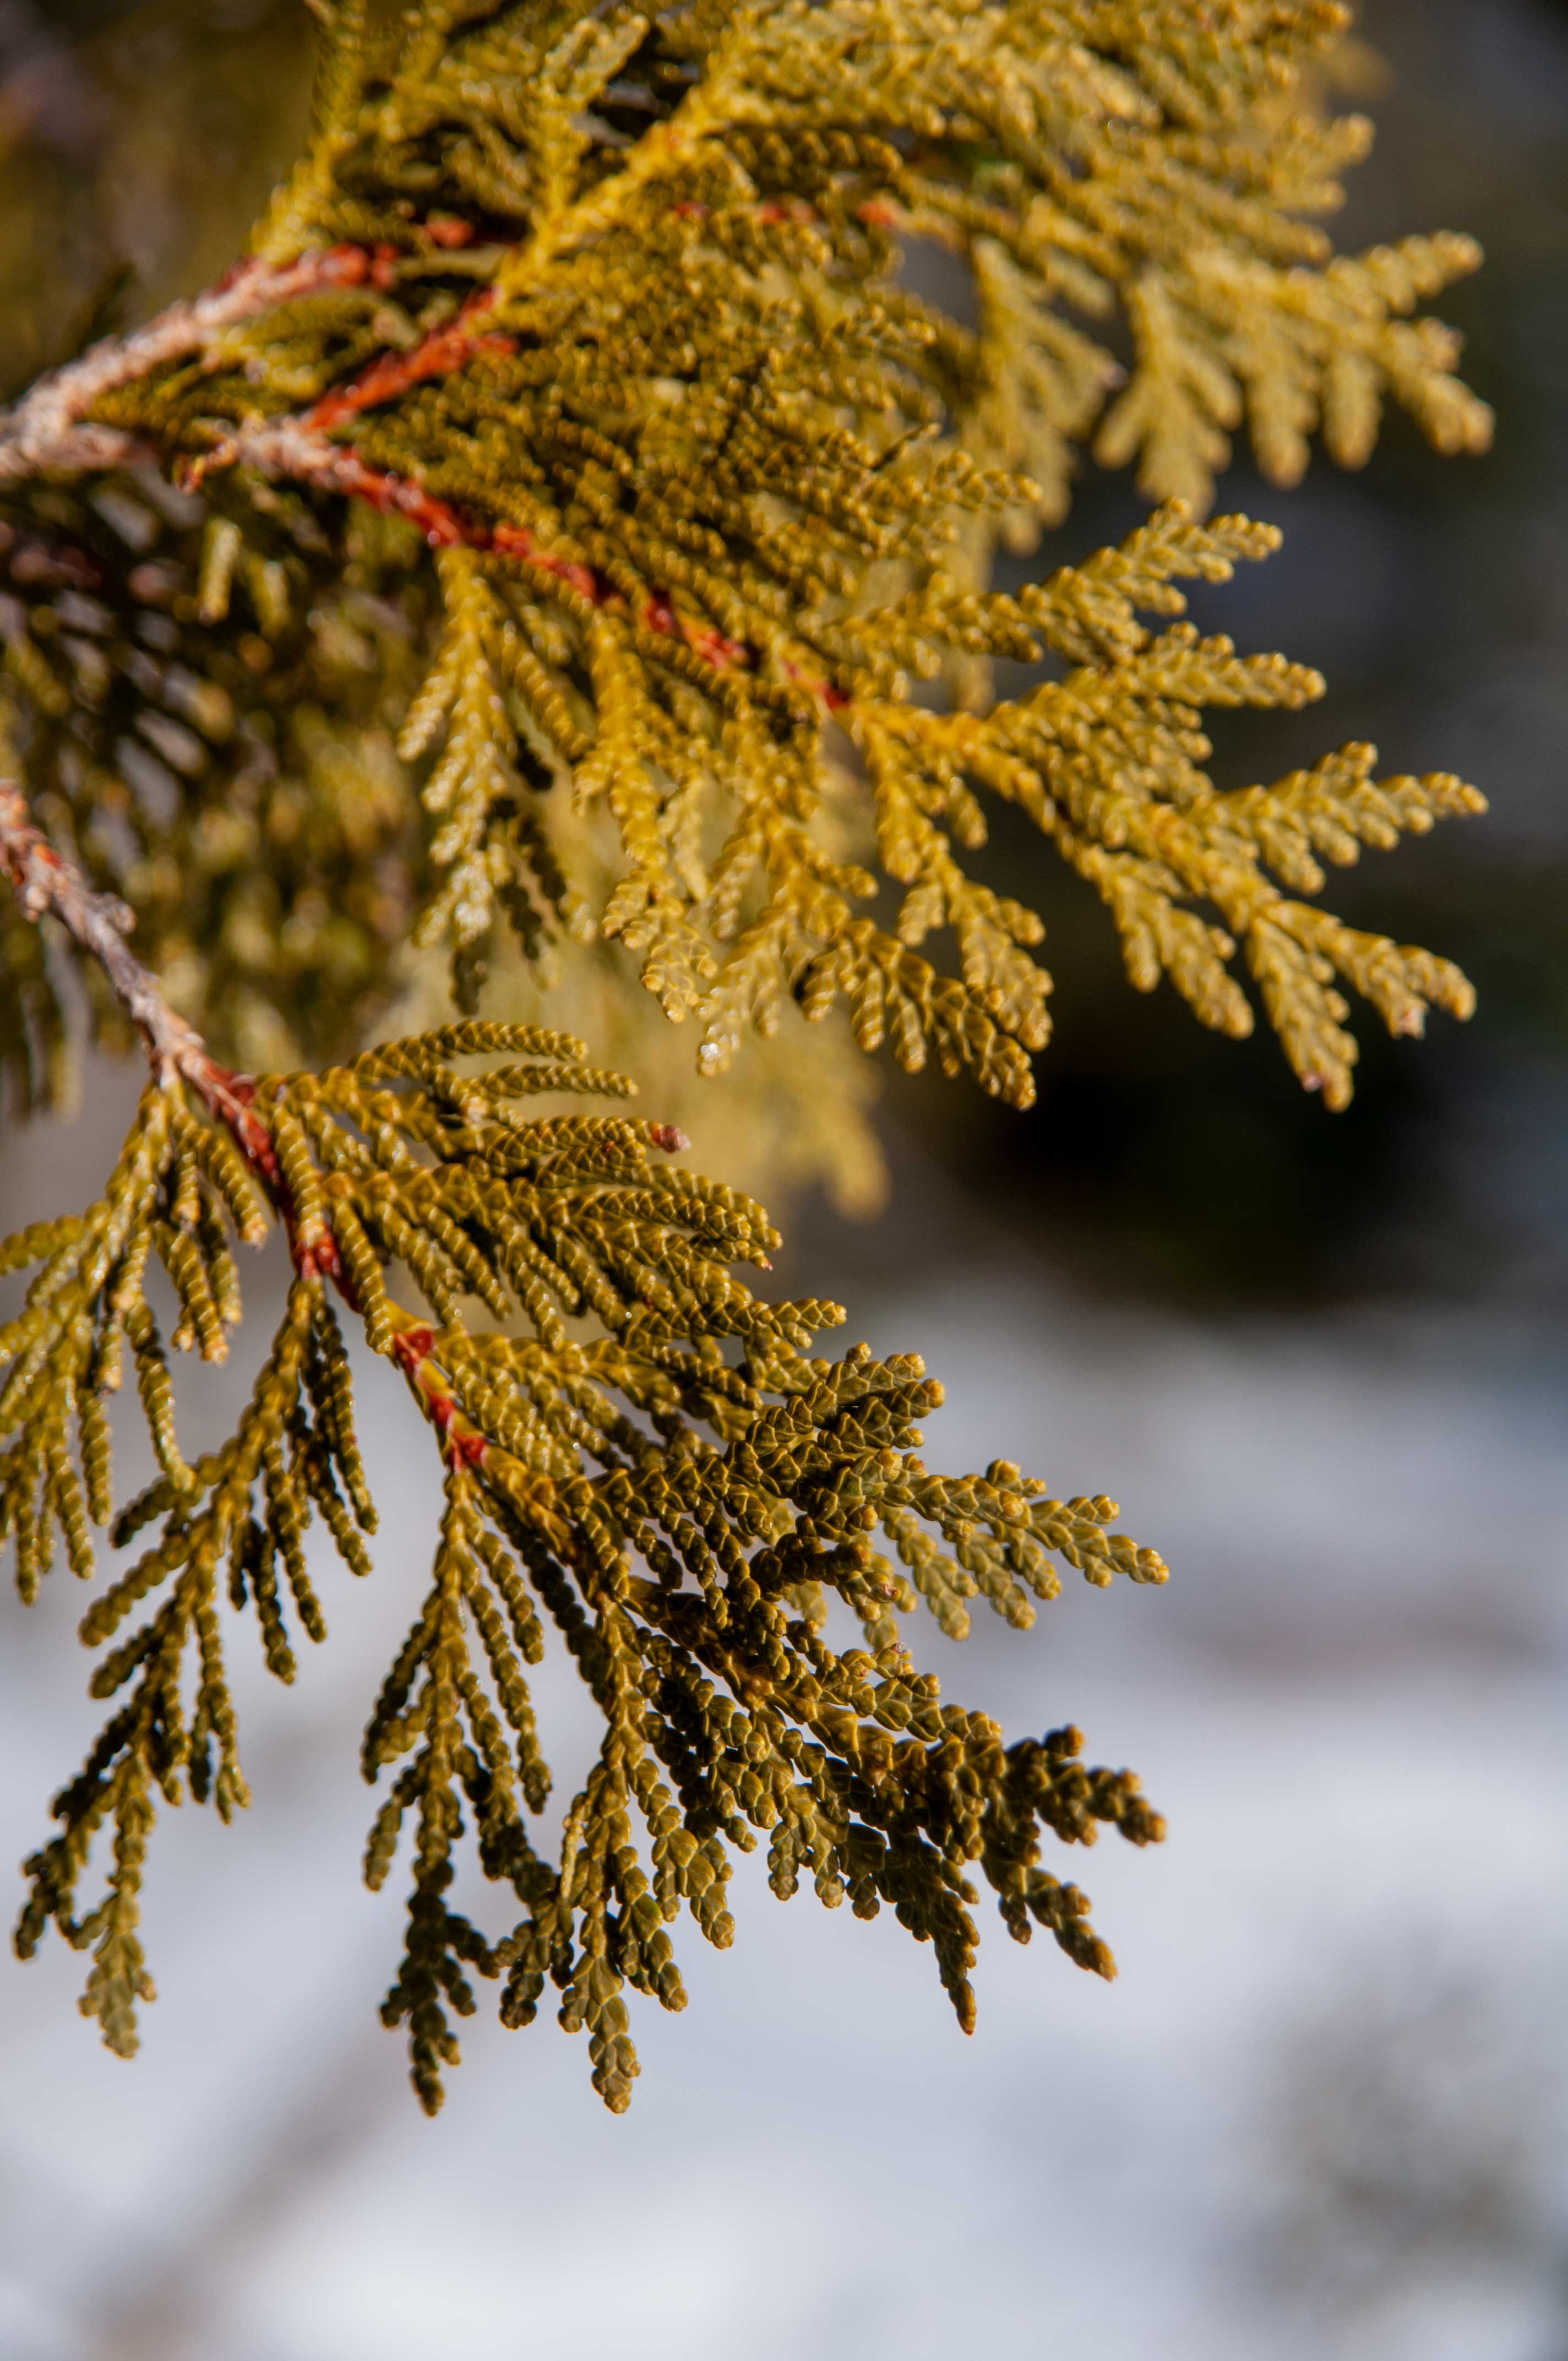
x=1322, y=1363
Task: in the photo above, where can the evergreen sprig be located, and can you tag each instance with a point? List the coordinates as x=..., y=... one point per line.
x=681, y=490
x=567, y=534
x=644, y=1409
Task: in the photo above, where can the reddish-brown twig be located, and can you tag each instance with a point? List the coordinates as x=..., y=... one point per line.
x=437, y=355
x=47, y=883
x=50, y=885
x=48, y=432
x=296, y=449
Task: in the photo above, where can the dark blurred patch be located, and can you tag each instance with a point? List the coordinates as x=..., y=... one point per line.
x=1404, y=2131
x=1163, y=1159
x=137, y=137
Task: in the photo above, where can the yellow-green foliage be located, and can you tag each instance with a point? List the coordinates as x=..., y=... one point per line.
x=717, y=485
x=648, y=1413
x=567, y=540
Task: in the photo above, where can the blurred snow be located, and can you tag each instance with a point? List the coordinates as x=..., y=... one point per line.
x=1349, y=1701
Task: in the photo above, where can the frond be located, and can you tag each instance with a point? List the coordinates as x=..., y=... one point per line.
x=573, y=418
x=640, y=1453
x=565, y=542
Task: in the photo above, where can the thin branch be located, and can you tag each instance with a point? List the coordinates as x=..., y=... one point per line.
x=49, y=432
x=442, y=351
x=48, y=885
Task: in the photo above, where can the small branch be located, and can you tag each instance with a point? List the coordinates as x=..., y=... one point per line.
x=295, y=450
x=416, y=1349
x=48, y=885
x=48, y=432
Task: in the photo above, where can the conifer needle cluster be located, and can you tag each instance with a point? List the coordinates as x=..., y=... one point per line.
x=686, y=1429
x=567, y=534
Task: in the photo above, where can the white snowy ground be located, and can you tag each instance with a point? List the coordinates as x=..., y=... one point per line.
x=1349, y=1701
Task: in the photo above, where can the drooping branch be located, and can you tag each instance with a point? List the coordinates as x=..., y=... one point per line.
x=749, y=1489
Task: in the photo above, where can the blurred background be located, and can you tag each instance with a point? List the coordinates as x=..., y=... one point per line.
x=1323, y=1365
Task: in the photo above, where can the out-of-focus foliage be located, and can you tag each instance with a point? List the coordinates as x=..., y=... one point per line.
x=794, y=1113
x=239, y=788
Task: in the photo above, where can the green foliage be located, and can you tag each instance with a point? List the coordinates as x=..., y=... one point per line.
x=654, y=1412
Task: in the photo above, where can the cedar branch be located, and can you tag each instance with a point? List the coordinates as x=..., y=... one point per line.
x=49, y=432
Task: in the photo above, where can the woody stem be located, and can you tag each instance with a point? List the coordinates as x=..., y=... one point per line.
x=47, y=884
x=49, y=432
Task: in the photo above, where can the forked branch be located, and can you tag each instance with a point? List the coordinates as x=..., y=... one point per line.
x=49, y=433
